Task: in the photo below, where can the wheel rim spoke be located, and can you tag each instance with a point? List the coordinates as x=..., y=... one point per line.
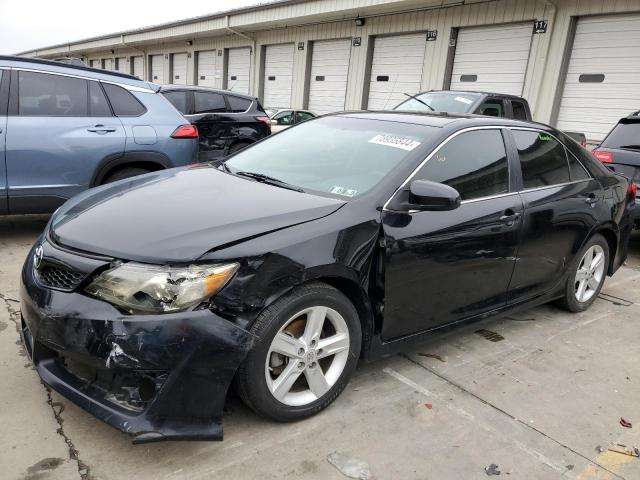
x=282, y=385
x=287, y=345
x=316, y=380
x=597, y=261
x=593, y=283
x=581, y=275
x=315, y=321
x=331, y=345
x=582, y=287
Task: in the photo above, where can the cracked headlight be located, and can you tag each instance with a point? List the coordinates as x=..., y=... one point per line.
x=140, y=288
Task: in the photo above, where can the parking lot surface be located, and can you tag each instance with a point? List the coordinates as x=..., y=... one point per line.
x=536, y=393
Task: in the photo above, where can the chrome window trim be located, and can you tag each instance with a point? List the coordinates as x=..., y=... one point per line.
x=567, y=152
x=564, y=184
x=435, y=150
x=81, y=77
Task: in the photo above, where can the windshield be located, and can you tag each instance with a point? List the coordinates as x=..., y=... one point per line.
x=451, y=102
x=336, y=155
x=625, y=134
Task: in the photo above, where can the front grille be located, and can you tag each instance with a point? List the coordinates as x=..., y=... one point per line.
x=59, y=277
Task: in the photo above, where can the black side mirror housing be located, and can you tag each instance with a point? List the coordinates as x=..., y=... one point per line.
x=432, y=196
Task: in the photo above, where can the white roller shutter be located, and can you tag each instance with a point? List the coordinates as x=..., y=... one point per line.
x=238, y=68
x=121, y=65
x=95, y=63
x=492, y=58
x=157, y=68
x=603, y=78
x=138, y=67
x=329, y=72
x=396, y=68
x=208, y=70
x=107, y=64
x=278, y=75
x=179, y=69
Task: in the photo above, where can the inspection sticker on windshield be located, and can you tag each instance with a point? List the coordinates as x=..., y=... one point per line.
x=395, y=141
x=347, y=192
x=464, y=100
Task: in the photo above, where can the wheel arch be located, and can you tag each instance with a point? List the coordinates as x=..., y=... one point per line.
x=152, y=161
x=610, y=235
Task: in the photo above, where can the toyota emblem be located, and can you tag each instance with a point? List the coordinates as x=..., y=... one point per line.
x=37, y=257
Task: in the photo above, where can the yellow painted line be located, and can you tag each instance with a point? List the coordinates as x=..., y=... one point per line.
x=612, y=461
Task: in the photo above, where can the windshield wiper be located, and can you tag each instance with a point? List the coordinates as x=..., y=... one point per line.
x=415, y=97
x=261, y=177
x=630, y=147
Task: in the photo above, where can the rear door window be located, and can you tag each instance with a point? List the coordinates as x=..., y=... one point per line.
x=303, y=116
x=238, y=104
x=542, y=158
x=41, y=94
x=519, y=110
x=98, y=105
x=474, y=163
x=206, y=102
x=492, y=107
x=124, y=104
x=178, y=99
x=284, y=118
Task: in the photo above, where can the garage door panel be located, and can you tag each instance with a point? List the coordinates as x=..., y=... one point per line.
x=208, y=70
x=138, y=66
x=496, y=55
x=329, y=71
x=608, y=45
x=179, y=69
x=239, y=69
x=278, y=75
x=157, y=68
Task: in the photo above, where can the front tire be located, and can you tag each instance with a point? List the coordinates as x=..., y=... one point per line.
x=587, y=275
x=308, y=349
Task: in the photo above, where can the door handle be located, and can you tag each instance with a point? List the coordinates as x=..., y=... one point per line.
x=591, y=199
x=101, y=129
x=510, y=217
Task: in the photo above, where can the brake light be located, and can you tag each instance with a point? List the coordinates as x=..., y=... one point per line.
x=632, y=191
x=604, y=157
x=185, y=131
x=266, y=121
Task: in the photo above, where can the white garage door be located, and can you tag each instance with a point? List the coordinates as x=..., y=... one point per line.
x=238, y=68
x=179, y=69
x=107, y=64
x=492, y=59
x=603, y=79
x=329, y=72
x=396, y=68
x=278, y=75
x=138, y=67
x=208, y=70
x=95, y=63
x=122, y=65
x=157, y=68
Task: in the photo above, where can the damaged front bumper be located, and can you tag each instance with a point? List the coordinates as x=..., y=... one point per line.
x=156, y=377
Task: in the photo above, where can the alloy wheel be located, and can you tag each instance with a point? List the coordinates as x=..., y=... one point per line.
x=307, y=356
x=590, y=273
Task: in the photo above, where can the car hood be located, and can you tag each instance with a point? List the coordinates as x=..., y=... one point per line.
x=178, y=215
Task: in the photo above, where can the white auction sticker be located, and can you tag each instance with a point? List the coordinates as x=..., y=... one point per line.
x=464, y=100
x=395, y=141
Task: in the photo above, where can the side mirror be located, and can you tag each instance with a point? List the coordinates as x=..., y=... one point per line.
x=427, y=195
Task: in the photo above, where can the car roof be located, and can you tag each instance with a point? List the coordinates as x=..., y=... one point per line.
x=195, y=88
x=439, y=119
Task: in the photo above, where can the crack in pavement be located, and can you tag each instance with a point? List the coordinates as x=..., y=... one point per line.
x=504, y=412
x=56, y=407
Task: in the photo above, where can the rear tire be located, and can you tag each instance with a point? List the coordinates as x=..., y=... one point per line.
x=586, y=275
x=123, y=173
x=319, y=329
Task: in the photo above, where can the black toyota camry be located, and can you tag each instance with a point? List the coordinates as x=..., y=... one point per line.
x=343, y=238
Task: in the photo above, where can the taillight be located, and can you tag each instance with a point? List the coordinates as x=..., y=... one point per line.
x=632, y=191
x=185, y=131
x=266, y=121
x=604, y=157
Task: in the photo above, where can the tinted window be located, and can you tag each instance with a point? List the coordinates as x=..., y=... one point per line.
x=237, y=104
x=576, y=170
x=624, y=134
x=98, y=106
x=124, y=104
x=543, y=159
x=303, y=116
x=178, y=100
x=492, y=108
x=40, y=94
x=474, y=163
x=209, y=103
x=519, y=110
x=284, y=118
